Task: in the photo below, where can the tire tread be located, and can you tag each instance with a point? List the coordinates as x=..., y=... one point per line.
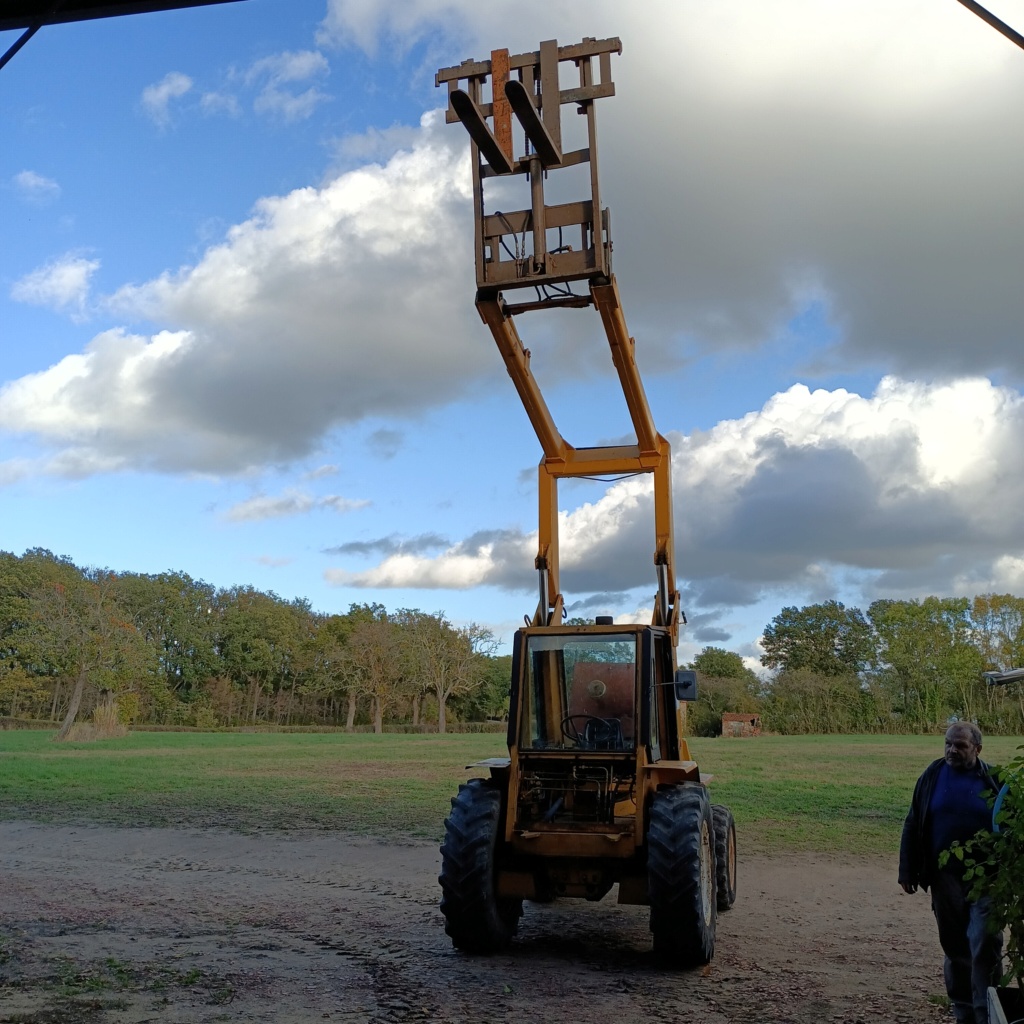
x=725, y=869
x=475, y=919
x=683, y=936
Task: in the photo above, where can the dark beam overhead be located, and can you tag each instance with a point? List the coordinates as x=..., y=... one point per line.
x=16, y=14
x=1000, y=26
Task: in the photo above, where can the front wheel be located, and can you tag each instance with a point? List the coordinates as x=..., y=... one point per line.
x=725, y=855
x=681, y=876
x=475, y=919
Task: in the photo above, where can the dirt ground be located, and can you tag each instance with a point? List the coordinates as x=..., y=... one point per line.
x=116, y=925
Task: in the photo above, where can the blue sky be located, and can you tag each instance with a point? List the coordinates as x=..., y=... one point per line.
x=238, y=334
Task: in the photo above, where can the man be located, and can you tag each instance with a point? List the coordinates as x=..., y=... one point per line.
x=949, y=804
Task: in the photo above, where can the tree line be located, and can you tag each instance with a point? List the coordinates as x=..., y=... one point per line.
x=901, y=667
x=166, y=649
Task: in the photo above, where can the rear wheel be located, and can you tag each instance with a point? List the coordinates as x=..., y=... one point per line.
x=475, y=919
x=725, y=855
x=681, y=876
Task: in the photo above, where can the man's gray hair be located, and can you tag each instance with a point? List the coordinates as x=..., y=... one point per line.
x=971, y=729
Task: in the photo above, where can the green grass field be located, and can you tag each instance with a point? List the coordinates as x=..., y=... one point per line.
x=840, y=794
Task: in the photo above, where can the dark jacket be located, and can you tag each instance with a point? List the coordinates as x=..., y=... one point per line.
x=917, y=865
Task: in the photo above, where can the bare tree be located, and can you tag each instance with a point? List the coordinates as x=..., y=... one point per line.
x=449, y=659
x=379, y=660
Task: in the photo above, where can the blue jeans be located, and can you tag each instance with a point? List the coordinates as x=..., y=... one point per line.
x=973, y=954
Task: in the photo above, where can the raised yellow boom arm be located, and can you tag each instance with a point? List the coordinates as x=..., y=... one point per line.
x=527, y=249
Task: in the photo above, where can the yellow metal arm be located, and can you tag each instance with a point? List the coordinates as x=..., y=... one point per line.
x=651, y=454
x=546, y=248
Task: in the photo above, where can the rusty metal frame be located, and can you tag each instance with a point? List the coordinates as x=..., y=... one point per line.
x=514, y=251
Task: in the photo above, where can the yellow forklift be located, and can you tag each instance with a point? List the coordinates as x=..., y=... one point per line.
x=599, y=788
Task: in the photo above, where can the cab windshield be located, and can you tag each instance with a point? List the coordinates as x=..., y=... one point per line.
x=581, y=692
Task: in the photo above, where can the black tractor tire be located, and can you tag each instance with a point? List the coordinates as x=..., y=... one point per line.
x=475, y=919
x=681, y=876
x=725, y=855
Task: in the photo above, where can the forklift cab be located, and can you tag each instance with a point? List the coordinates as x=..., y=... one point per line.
x=594, y=688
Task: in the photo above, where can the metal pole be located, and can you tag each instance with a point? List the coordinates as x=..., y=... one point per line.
x=999, y=26
x=54, y=7
x=21, y=41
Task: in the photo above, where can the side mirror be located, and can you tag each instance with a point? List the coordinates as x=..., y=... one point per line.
x=686, y=684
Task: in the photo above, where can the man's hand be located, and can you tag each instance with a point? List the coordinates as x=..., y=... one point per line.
x=908, y=888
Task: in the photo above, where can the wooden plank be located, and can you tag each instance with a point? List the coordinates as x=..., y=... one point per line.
x=574, y=51
x=561, y=215
x=500, y=108
x=467, y=69
x=591, y=92
x=562, y=268
x=550, y=98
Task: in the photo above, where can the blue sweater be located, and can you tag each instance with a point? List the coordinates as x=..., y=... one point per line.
x=917, y=860
x=958, y=810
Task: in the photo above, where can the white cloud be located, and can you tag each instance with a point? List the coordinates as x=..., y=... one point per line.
x=220, y=103
x=898, y=481
x=297, y=66
x=62, y=284
x=14, y=470
x=815, y=150
x=156, y=99
x=375, y=144
x=320, y=310
x=850, y=47
x=287, y=105
x=915, y=489
x=104, y=395
x=455, y=569
x=279, y=74
x=274, y=563
x=385, y=443
x=36, y=188
x=332, y=304
x=329, y=469
x=336, y=503
x=757, y=156
x=291, y=503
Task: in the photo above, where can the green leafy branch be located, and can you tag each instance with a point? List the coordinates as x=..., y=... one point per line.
x=994, y=865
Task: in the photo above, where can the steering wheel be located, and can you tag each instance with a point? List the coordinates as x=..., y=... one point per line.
x=594, y=730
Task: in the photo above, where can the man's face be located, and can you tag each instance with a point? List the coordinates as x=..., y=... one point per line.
x=961, y=750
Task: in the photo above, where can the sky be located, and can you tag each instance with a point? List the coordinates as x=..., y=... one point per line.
x=238, y=336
